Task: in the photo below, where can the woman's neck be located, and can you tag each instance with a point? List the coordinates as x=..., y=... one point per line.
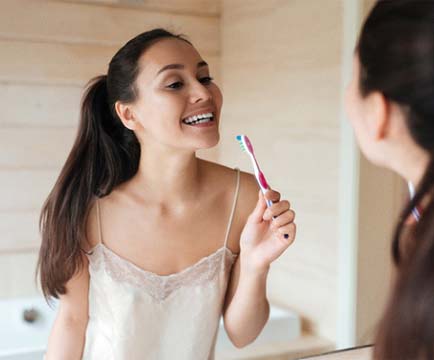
x=168, y=178
x=412, y=164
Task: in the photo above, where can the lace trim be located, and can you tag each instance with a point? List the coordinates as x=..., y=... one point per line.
x=160, y=287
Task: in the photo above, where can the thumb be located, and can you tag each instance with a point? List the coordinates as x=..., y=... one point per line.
x=258, y=211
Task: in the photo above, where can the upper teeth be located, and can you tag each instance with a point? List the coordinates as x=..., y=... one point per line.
x=201, y=118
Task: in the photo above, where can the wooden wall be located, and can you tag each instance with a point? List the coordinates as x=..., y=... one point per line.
x=49, y=50
x=281, y=81
x=279, y=64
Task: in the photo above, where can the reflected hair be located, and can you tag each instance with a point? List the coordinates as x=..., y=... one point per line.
x=396, y=52
x=105, y=154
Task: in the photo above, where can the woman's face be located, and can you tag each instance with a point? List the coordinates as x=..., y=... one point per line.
x=175, y=91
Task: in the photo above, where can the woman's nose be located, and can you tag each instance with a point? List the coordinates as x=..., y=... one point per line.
x=200, y=93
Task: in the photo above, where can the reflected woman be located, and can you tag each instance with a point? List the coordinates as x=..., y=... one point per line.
x=390, y=102
x=145, y=244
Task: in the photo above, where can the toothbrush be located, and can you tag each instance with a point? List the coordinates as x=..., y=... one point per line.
x=247, y=147
x=415, y=211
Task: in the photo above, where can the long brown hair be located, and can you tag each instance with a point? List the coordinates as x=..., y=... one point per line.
x=104, y=155
x=396, y=52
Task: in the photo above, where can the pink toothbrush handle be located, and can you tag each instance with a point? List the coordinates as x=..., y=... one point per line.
x=262, y=181
x=264, y=186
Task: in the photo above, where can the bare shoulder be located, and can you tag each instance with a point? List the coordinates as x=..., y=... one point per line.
x=92, y=229
x=225, y=178
x=217, y=171
x=248, y=193
x=248, y=196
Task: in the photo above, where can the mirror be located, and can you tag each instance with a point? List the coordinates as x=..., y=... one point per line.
x=282, y=67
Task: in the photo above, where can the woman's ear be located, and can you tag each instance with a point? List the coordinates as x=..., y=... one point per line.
x=126, y=114
x=378, y=115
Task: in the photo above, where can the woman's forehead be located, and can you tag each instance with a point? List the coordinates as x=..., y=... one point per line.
x=166, y=52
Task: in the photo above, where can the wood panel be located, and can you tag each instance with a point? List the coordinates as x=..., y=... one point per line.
x=25, y=190
x=50, y=21
x=39, y=106
x=191, y=7
x=281, y=84
x=59, y=64
x=50, y=50
x=19, y=231
x=17, y=275
x=35, y=148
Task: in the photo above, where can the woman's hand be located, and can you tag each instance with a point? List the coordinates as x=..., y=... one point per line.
x=263, y=238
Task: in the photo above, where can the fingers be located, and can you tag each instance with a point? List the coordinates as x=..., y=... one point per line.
x=276, y=209
x=272, y=195
x=258, y=211
x=290, y=230
x=284, y=219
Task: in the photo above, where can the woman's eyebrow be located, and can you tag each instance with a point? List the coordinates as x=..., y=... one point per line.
x=180, y=66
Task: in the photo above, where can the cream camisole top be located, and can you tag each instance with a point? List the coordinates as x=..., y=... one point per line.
x=136, y=314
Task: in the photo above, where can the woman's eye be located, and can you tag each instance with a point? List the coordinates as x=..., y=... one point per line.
x=206, y=80
x=175, y=85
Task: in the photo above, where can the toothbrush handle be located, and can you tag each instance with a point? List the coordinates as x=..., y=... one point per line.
x=264, y=186
x=260, y=178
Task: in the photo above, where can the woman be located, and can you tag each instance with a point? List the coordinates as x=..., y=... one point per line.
x=139, y=235
x=390, y=102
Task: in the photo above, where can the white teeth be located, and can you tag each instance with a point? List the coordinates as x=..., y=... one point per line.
x=198, y=119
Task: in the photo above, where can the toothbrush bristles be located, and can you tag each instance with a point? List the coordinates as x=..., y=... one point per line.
x=241, y=142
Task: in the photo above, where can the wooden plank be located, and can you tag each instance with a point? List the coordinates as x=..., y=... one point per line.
x=50, y=21
x=52, y=63
x=17, y=274
x=192, y=7
x=19, y=231
x=35, y=148
x=59, y=64
x=25, y=190
x=39, y=106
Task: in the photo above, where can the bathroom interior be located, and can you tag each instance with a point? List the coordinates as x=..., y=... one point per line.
x=283, y=66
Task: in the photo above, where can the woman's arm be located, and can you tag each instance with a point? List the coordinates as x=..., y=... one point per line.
x=247, y=307
x=262, y=241
x=67, y=336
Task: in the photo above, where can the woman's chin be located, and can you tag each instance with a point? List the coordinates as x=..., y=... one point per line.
x=208, y=143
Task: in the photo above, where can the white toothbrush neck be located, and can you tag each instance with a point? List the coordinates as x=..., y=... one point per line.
x=255, y=163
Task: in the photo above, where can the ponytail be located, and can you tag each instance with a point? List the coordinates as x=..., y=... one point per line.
x=105, y=153
x=406, y=330
x=424, y=191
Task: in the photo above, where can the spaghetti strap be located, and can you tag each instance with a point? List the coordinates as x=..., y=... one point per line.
x=98, y=219
x=234, y=205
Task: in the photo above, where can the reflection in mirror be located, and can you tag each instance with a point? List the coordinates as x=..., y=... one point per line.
x=282, y=67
